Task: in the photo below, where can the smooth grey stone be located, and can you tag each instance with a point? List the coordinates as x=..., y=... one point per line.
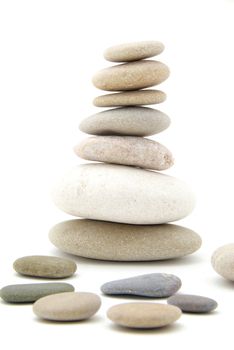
x=28, y=293
x=154, y=285
x=192, y=303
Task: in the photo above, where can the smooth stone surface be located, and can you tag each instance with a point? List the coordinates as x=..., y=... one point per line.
x=67, y=306
x=130, y=98
x=120, y=242
x=153, y=285
x=28, y=293
x=45, y=266
x=143, y=315
x=133, y=51
x=131, y=76
x=125, y=150
x=223, y=261
x=128, y=121
x=123, y=194
x=193, y=303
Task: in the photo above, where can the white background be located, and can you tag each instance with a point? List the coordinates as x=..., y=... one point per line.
x=49, y=51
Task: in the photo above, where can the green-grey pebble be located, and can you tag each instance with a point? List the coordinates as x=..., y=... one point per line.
x=28, y=293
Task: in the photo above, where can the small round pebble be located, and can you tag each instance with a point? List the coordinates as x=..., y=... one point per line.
x=193, y=303
x=73, y=306
x=28, y=293
x=131, y=76
x=45, y=266
x=130, y=98
x=143, y=315
x=153, y=285
x=223, y=261
x=133, y=51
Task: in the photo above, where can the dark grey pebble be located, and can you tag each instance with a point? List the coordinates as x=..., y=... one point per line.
x=153, y=285
x=28, y=293
x=193, y=303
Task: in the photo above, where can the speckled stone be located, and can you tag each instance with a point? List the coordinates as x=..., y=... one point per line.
x=125, y=150
x=128, y=121
x=45, y=266
x=223, y=261
x=133, y=51
x=67, y=306
x=131, y=76
x=120, y=242
x=28, y=293
x=193, y=303
x=123, y=194
x=153, y=285
x=130, y=98
x=143, y=315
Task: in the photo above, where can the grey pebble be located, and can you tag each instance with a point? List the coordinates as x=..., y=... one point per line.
x=28, y=293
x=153, y=285
x=193, y=303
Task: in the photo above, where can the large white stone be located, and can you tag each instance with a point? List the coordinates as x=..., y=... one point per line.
x=122, y=194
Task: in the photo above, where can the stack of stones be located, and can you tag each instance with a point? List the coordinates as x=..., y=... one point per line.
x=123, y=202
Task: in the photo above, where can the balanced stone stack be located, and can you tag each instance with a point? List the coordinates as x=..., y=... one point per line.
x=123, y=202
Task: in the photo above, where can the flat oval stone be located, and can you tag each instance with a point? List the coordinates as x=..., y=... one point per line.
x=121, y=242
x=153, y=285
x=223, y=261
x=131, y=76
x=128, y=121
x=125, y=150
x=130, y=98
x=133, y=51
x=143, y=315
x=45, y=266
x=28, y=293
x=71, y=306
x=193, y=303
x=122, y=194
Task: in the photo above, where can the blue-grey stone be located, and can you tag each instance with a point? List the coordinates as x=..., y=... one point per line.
x=153, y=285
x=192, y=303
x=28, y=293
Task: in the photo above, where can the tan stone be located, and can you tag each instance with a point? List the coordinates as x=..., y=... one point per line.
x=143, y=315
x=131, y=76
x=223, y=261
x=125, y=150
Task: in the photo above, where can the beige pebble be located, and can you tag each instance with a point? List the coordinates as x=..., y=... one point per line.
x=125, y=150
x=121, y=242
x=130, y=98
x=223, y=261
x=131, y=76
x=69, y=306
x=133, y=51
x=143, y=314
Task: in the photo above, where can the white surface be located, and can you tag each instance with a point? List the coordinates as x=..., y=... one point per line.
x=49, y=52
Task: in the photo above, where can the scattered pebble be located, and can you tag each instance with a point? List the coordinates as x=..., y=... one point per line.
x=223, y=261
x=45, y=266
x=193, y=303
x=153, y=285
x=143, y=315
x=28, y=293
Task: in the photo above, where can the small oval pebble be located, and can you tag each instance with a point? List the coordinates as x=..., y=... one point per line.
x=223, y=261
x=120, y=242
x=45, y=266
x=67, y=306
x=128, y=121
x=27, y=293
x=154, y=285
x=143, y=315
x=131, y=76
x=125, y=150
x=133, y=51
x=193, y=303
x=130, y=98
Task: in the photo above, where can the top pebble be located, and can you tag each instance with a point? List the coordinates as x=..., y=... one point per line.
x=133, y=51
